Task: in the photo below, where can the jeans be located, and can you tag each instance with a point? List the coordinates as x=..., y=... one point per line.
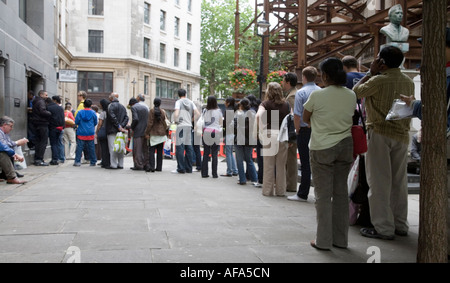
x=260, y=161
x=90, y=148
x=231, y=161
x=244, y=153
x=303, y=150
x=197, y=154
x=56, y=145
x=184, y=150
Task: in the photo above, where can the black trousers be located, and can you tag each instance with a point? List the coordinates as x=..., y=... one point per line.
x=41, y=142
x=105, y=152
x=159, y=156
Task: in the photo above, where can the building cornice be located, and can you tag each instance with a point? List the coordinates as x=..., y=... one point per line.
x=87, y=62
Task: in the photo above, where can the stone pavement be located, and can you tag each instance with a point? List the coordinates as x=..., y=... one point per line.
x=91, y=215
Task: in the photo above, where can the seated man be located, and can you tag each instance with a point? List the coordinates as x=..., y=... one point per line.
x=6, y=153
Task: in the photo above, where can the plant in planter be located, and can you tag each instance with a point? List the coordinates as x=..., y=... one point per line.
x=275, y=76
x=243, y=81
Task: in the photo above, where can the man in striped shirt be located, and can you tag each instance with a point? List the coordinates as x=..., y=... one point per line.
x=388, y=141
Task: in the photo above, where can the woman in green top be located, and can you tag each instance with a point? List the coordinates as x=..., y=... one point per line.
x=329, y=113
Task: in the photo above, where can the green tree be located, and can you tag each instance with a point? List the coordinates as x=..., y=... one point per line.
x=217, y=43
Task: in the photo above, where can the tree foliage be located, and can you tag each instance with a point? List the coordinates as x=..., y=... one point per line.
x=217, y=43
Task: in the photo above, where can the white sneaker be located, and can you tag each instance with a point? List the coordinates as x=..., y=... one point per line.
x=257, y=185
x=175, y=171
x=296, y=198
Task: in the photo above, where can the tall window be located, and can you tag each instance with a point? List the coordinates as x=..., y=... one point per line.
x=162, y=20
x=96, y=7
x=95, y=41
x=189, y=91
x=177, y=26
x=162, y=53
x=23, y=10
x=146, y=85
x=177, y=2
x=176, y=57
x=188, y=61
x=147, y=13
x=190, y=5
x=146, y=48
x=189, y=32
x=166, y=89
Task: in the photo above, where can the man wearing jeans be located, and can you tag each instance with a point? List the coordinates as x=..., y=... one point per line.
x=184, y=110
x=86, y=121
x=309, y=75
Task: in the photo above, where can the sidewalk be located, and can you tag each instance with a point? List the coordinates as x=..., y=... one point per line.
x=128, y=216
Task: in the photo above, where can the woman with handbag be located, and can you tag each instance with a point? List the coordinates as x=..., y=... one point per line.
x=156, y=133
x=329, y=112
x=270, y=115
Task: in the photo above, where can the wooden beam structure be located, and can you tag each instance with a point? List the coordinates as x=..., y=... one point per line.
x=327, y=28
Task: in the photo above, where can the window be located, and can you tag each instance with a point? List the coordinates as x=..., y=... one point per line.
x=189, y=32
x=188, y=61
x=190, y=5
x=176, y=57
x=23, y=10
x=96, y=7
x=162, y=20
x=146, y=48
x=146, y=84
x=177, y=27
x=189, y=91
x=95, y=41
x=98, y=85
x=166, y=89
x=147, y=13
x=162, y=53
x=177, y=2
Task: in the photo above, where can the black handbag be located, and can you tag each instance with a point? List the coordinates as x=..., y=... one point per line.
x=292, y=134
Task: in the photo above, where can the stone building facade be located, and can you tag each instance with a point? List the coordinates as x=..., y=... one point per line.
x=130, y=47
x=27, y=57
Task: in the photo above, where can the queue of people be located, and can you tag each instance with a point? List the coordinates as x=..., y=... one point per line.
x=323, y=118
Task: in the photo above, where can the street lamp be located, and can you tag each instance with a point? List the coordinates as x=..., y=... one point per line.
x=263, y=27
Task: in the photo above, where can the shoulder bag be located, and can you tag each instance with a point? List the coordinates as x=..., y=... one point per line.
x=359, y=136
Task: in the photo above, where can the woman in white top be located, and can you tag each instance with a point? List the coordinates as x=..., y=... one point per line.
x=329, y=112
x=212, y=134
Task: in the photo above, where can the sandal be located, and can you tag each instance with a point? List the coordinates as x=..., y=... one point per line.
x=372, y=233
x=313, y=244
